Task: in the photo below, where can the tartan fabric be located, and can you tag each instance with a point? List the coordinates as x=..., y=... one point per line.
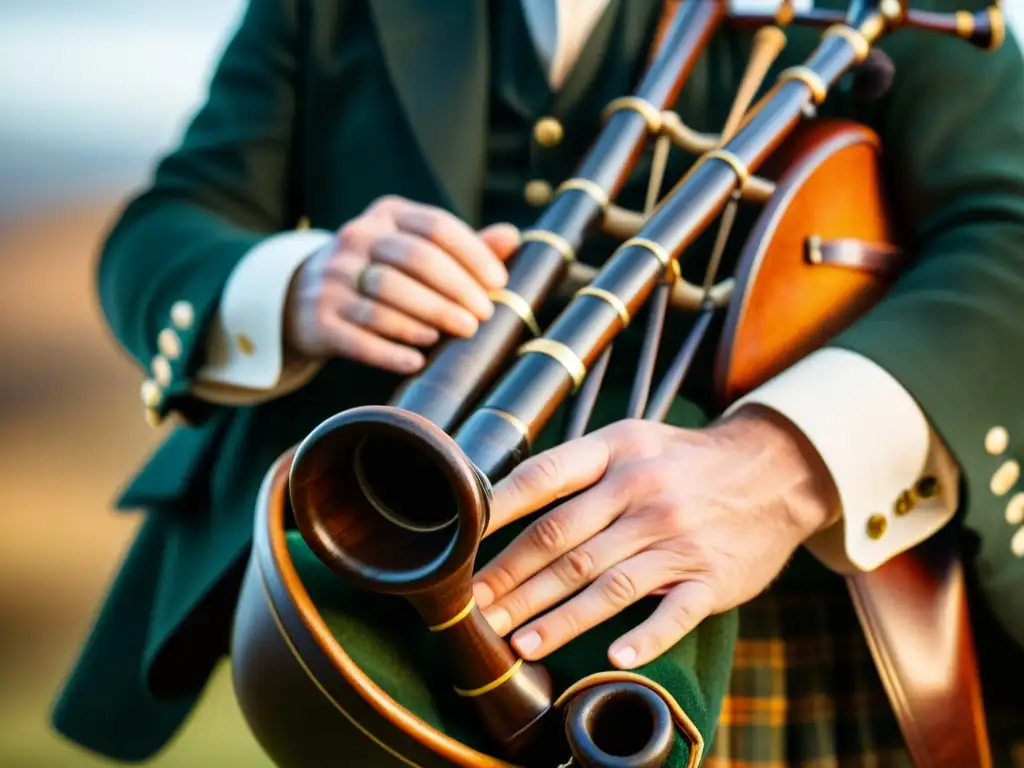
x=804, y=692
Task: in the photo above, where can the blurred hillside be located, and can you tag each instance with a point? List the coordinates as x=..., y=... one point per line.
x=89, y=93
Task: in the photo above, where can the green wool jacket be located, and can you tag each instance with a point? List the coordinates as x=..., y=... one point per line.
x=317, y=108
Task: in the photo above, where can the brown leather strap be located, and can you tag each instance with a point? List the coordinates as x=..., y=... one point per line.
x=914, y=608
x=915, y=615
x=878, y=258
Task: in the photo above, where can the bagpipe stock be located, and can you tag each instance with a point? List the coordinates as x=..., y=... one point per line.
x=394, y=499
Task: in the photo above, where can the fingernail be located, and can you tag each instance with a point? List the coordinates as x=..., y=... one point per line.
x=429, y=337
x=467, y=323
x=499, y=620
x=482, y=307
x=483, y=595
x=410, y=361
x=624, y=657
x=527, y=643
x=497, y=277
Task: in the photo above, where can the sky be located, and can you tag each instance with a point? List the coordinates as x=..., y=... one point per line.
x=92, y=90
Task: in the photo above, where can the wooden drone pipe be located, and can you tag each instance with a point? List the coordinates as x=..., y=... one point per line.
x=386, y=499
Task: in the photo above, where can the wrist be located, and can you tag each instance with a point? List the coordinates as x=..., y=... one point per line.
x=801, y=482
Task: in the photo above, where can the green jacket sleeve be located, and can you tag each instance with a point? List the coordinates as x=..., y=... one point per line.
x=229, y=184
x=952, y=329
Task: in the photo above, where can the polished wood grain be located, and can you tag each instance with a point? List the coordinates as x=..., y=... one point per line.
x=304, y=698
x=461, y=370
x=785, y=305
x=917, y=620
x=391, y=503
x=624, y=724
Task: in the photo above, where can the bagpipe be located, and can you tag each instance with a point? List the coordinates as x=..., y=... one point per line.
x=394, y=499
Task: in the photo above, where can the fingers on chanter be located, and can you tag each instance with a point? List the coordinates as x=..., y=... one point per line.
x=685, y=606
x=566, y=575
x=550, y=537
x=457, y=238
x=393, y=287
x=615, y=589
x=548, y=477
x=433, y=267
x=358, y=343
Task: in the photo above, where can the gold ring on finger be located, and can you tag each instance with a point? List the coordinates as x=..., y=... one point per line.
x=361, y=279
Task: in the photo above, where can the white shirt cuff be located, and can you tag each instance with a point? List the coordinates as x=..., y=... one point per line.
x=880, y=450
x=245, y=359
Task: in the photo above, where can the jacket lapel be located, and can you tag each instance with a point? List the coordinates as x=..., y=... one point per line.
x=437, y=52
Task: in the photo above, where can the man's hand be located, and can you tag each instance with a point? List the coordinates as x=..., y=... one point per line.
x=706, y=517
x=396, y=278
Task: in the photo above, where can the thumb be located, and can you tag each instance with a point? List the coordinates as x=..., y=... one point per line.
x=503, y=239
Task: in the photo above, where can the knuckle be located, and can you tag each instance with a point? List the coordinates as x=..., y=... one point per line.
x=417, y=256
x=516, y=605
x=660, y=482
x=655, y=645
x=539, y=474
x=500, y=579
x=387, y=204
x=628, y=434
x=547, y=469
x=682, y=619
x=571, y=624
x=668, y=517
x=350, y=236
x=548, y=534
x=361, y=312
x=323, y=313
x=576, y=567
x=618, y=588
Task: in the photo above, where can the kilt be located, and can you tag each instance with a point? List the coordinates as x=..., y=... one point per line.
x=804, y=690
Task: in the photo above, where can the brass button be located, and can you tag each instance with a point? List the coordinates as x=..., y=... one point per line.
x=877, y=525
x=996, y=440
x=1017, y=543
x=183, y=314
x=538, y=192
x=153, y=418
x=245, y=344
x=1004, y=478
x=161, y=370
x=150, y=393
x=548, y=132
x=891, y=9
x=169, y=344
x=927, y=487
x=904, y=503
x=1015, y=509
